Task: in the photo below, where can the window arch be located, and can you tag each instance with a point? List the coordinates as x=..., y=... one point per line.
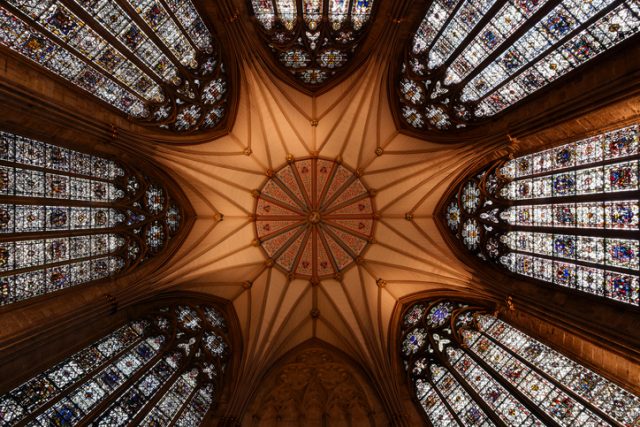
x=163, y=368
x=567, y=216
x=467, y=367
x=313, y=39
x=155, y=61
x=471, y=60
x=69, y=218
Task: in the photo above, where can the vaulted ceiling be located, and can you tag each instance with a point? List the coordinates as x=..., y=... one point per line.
x=350, y=122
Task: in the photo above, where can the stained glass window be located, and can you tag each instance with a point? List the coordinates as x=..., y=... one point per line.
x=158, y=370
x=68, y=218
x=566, y=216
x=313, y=42
x=469, y=368
x=470, y=60
x=155, y=61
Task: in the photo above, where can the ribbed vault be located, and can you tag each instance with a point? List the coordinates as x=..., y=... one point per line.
x=353, y=124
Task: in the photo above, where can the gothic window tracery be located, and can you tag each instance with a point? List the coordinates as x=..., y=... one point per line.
x=153, y=60
x=566, y=216
x=68, y=218
x=315, y=38
x=472, y=60
x=466, y=367
x=162, y=369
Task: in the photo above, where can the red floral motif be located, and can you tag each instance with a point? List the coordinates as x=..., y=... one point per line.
x=314, y=218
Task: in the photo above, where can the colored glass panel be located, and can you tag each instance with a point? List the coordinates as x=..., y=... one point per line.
x=143, y=371
x=144, y=59
x=472, y=60
x=562, y=215
x=476, y=368
x=316, y=42
x=68, y=218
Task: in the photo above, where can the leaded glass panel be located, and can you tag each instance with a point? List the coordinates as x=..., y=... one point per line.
x=470, y=368
x=470, y=60
x=68, y=218
x=154, y=61
x=566, y=216
x=150, y=369
x=313, y=43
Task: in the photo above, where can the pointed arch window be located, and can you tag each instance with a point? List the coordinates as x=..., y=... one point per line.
x=466, y=367
x=471, y=60
x=313, y=39
x=69, y=218
x=154, y=60
x=566, y=216
x=163, y=369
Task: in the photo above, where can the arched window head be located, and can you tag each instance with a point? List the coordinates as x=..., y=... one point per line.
x=566, y=216
x=163, y=369
x=468, y=368
x=313, y=39
x=155, y=61
x=470, y=60
x=68, y=218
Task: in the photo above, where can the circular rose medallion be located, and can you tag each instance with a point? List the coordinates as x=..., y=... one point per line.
x=314, y=218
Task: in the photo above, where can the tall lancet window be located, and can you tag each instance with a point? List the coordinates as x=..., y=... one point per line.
x=313, y=39
x=154, y=60
x=470, y=60
x=68, y=218
x=566, y=216
x=164, y=369
x=468, y=368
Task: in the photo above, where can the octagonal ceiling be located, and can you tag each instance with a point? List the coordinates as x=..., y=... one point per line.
x=279, y=130
x=350, y=127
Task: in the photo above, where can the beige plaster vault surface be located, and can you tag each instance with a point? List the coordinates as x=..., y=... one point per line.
x=220, y=256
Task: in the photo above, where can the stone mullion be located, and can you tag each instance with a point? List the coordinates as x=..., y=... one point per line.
x=176, y=21
x=509, y=41
x=184, y=406
x=15, y=164
x=491, y=13
x=164, y=388
x=577, y=168
x=62, y=263
x=55, y=202
x=443, y=27
x=553, y=381
x=444, y=401
x=573, y=231
x=41, y=29
x=38, y=235
x=153, y=37
x=475, y=397
x=113, y=396
x=512, y=389
x=66, y=392
x=542, y=55
x=113, y=41
x=300, y=12
x=577, y=262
